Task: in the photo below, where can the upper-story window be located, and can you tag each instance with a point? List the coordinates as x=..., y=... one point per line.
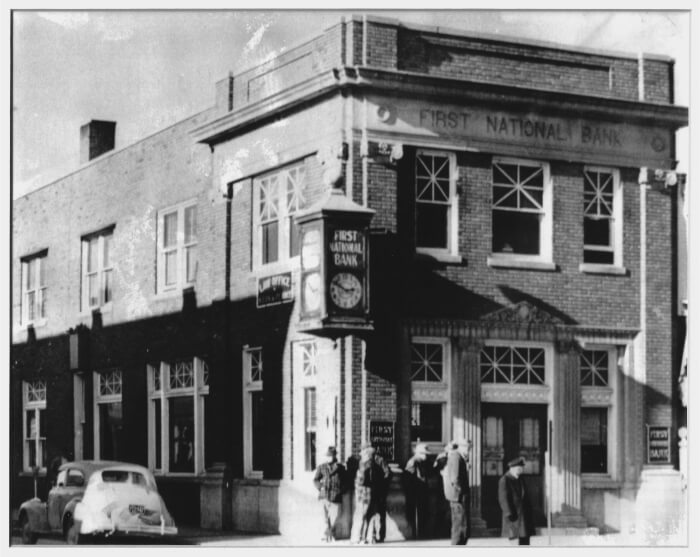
x=277, y=197
x=602, y=216
x=33, y=302
x=96, y=267
x=177, y=247
x=521, y=210
x=436, y=202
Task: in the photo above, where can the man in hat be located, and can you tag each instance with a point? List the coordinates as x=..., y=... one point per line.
x=381, y=492
x=367, y=490
x=329, y=479
x=455, y=478
x=417, y=489
x=515, y=505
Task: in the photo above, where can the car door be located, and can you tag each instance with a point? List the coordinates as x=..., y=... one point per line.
x=70, y=483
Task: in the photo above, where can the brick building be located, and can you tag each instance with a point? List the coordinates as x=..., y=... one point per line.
x=522, y=270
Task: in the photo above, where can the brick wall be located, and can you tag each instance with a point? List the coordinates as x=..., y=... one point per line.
x=125, y=188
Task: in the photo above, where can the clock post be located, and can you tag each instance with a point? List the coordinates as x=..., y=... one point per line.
x=334, y=278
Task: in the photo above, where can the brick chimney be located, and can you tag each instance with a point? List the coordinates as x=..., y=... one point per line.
x=96, y=138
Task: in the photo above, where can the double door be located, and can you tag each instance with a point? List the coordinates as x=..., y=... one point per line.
x=509, y=431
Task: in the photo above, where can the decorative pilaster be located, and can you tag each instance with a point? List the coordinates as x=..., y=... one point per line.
x=566, y=449
x=466, y=396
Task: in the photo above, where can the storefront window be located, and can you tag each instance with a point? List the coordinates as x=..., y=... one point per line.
x=34, y=425
x=108, y=415
x=430, y=362
x=426, y=421
x=310, y=428
x=253, y=412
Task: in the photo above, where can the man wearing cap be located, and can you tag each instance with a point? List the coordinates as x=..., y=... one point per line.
x=515, y=505
x=417, y=492
x=329, y=480
x=367, y=489
x=455, y=481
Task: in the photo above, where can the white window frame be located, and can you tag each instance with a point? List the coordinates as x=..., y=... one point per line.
x=544, y=259
x=180, y=248
x=99, y=398
x=435, y=391
x=39, y=290
x=102, y=270
x=452, y=248
x=617, y=228
x=284, y=214
x=198, y=391
x=605, y=397
x=519, y=392
x=250, y=385
x=39, y=386
x=306, y=361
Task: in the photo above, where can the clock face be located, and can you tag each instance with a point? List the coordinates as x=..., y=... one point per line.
x=346, y=290
x=311, y=249
x=312, y=292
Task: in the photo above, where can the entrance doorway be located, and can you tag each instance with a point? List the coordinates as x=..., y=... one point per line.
x=508, y=431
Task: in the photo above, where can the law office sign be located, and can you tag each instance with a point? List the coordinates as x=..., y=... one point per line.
x=658, y=444
x=275, y=289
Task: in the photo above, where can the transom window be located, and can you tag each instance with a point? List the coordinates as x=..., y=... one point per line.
x=426, y=361
x=436, y=201
x=602, y=216
x=594, y=368
x=97, y=269
x=110, y=383
x=521, y=208
x=309, y=359
x=177, y=391
x=34, y=289
x=34, y=424
x=277, y=198
x=513, y=365
x=177, y=247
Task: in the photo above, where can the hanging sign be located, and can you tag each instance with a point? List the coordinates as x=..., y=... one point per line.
x=275, y=289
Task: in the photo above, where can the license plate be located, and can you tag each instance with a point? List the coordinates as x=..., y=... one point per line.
x=136, y=509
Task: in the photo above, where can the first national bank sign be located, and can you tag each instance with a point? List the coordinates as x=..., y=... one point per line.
x=486, y=128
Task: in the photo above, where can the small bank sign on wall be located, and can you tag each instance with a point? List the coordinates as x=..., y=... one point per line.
x=658, y=444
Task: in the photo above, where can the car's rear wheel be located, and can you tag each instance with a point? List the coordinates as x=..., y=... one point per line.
x=28, y=537
x=71, y=530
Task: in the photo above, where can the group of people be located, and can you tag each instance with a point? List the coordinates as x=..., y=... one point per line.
x=371, y=482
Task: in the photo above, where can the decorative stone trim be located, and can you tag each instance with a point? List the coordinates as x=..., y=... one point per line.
x=436, y=393
x=536, y=394
x=596, y=396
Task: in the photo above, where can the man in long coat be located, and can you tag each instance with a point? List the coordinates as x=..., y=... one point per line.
x=515, y=505
x=456, y=486
x=329, y=479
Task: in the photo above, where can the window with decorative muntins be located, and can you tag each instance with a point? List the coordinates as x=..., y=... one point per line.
x=512, y=365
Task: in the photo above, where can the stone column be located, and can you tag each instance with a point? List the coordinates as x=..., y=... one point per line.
x=466, y=399
x=566, y=449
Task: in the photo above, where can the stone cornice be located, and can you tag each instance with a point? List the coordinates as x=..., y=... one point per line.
x=496, y=392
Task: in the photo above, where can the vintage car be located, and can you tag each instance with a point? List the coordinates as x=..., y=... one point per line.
x=98, y=498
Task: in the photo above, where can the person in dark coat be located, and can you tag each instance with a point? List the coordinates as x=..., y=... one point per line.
x=368, y=481
x=329, y=479
x=417, y=500
x=515, y=505
x=382, y=491
x=455, y=478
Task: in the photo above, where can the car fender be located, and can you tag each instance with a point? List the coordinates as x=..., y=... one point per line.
x=35, y=511
x=70, y=508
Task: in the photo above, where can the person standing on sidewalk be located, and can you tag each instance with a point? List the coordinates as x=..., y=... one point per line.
x=417, y=493
x=329, y=479
x=515, y=505
x=456, y=486
x=367, y=486
x=382, y=490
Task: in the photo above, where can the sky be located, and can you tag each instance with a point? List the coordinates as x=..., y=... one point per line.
x=149, y=69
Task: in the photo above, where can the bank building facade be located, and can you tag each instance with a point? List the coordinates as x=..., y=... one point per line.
x=389, y=233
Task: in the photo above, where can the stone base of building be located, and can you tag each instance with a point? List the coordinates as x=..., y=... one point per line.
x=661, y=507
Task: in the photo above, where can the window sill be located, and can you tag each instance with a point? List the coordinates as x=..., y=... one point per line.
x=440, y=256
x=173, y=293
x=519, y=263
x=601, y=269
x=105, y=309
x=599, y=481
x=30, y=474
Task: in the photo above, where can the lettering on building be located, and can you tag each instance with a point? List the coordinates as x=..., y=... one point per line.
x=658, y=445
x=347, y=248
x=275, y=289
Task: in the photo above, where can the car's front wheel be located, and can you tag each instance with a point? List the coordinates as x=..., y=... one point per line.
x=28, y=537
x=71, y=530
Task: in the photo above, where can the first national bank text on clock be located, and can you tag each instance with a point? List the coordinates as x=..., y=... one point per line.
x=347, y=248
